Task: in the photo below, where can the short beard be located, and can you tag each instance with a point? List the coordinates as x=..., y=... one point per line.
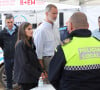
x=50, y=19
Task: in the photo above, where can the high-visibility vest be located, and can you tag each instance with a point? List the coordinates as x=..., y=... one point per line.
x=82, y=52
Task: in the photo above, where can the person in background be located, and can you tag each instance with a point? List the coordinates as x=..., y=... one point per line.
x=63, y=33
x=76, y=63
x=96, y=33
x=8, y=37
x=27, y=68
x=47, y=38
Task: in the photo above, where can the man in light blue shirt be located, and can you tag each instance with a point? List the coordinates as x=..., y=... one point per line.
x=8, y=38
x=96, y=33
x=47, y=37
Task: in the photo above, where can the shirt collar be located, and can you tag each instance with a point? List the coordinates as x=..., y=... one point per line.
x=49, y=24
x=12, y=30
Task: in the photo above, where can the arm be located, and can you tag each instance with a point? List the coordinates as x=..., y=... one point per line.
x=56, y=67
x=40, y=60
x=44, y=74
x=39, y=41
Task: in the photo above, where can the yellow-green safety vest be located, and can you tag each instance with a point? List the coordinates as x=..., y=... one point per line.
x=82, y=51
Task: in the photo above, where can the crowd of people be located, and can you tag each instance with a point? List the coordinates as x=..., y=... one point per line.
x=69, y=64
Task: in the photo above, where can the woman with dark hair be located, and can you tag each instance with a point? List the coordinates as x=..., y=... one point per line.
x=27, y=69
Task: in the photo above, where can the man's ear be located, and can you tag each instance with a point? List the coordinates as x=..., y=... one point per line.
x=71, y=25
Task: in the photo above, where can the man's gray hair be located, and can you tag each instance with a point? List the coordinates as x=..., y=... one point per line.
x=9, y=16
x=49, y=6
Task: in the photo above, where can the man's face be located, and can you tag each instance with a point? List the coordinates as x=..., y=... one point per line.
x=10, y=23
x=99, y=22
x=52, y=14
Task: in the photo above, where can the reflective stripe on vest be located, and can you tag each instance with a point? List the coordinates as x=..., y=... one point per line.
x=82, y=52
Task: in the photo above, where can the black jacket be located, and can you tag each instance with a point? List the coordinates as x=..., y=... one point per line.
x=72, y=80
x=27, y=68
x=7, y=43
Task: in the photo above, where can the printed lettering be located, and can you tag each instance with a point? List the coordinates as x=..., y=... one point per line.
x=89, y=52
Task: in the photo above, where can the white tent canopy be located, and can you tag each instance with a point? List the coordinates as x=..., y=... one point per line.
x=90, y=7
x=77, y=2
x=39, y=6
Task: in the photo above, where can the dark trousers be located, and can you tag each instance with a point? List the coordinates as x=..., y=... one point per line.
x=28, y=86
x=9, y=71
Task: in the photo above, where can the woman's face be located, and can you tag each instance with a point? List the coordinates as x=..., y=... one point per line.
x=29, y=31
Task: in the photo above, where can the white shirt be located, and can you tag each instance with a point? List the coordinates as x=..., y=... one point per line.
x=46, y=39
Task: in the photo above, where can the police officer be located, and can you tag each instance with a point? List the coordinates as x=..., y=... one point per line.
x=76, y=63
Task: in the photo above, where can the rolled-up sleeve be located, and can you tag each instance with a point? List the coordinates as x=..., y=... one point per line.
x=39, y=41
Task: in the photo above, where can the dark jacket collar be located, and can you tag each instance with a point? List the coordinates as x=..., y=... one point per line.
x=80, y=33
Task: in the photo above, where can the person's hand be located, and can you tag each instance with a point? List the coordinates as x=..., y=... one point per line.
x=45, y=73
x=43, y=76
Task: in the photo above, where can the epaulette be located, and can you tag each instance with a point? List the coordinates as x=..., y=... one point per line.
x=66, y=41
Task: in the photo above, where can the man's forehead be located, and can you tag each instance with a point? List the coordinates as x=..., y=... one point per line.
x=9, y=20
x=53, y=9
